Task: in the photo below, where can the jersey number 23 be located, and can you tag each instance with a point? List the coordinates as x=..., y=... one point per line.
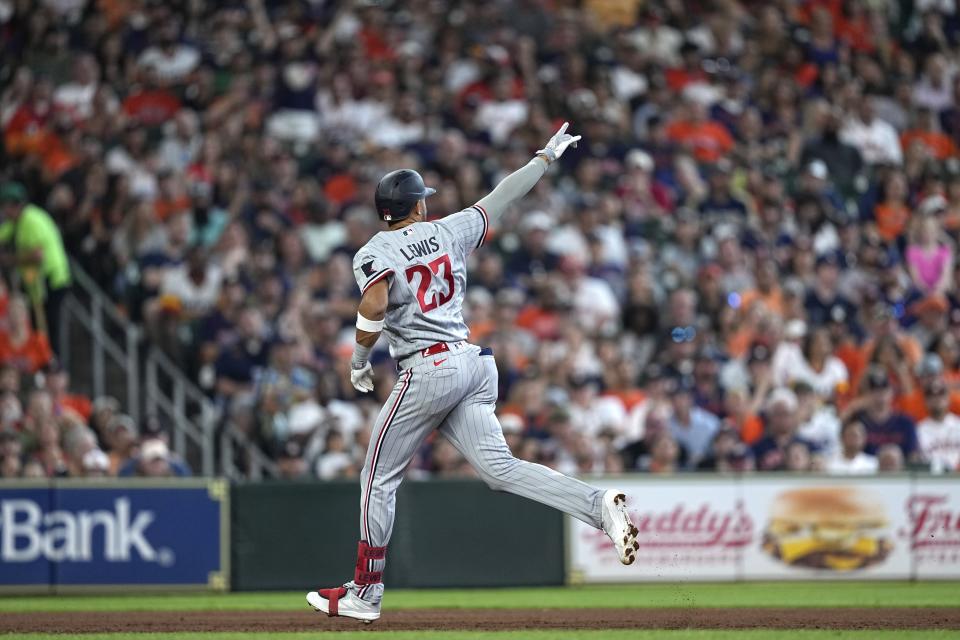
x=439, y=271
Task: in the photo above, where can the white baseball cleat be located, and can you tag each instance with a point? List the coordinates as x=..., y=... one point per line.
x=343, y=601
x=617, y=525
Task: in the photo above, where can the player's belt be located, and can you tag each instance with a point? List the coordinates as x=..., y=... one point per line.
x=432, y=350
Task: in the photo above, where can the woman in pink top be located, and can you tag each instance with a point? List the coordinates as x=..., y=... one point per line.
x=929, y=259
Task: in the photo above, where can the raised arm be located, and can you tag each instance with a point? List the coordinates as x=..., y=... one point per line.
x=518, y=184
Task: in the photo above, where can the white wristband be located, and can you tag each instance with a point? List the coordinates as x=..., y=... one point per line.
x=370, y=326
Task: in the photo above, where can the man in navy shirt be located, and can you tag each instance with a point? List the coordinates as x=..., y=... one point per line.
x=884, y=425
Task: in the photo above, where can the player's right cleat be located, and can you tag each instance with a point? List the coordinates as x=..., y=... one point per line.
x=344, y=601
x=617, y=525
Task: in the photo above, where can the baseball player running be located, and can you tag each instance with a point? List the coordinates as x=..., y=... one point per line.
x=413, y=277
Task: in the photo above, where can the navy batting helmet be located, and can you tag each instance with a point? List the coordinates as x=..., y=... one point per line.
x=397, y=192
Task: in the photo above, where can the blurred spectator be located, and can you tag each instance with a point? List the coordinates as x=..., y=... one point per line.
x=591, y=412
x=818, y=421
x=929, y=258
x=120, y=437
x=884, y=425
x=154, y=460
x=851, y=459
x=815, y=365
x=58, y=383
x=290, y=461
x=95, y=464
x=938, y=435
x=664, y=454
x=282, y=384
x=38, y=254
x=890, y=459
x=153, y=457
x=781, y=426
x=47, y=451
x=21, y=346
x=692, y=427
x=875, y=139
x=336, y=460
x=798, y=458
x=728, y=454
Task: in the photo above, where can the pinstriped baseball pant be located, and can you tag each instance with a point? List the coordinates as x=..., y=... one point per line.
x=458, y=396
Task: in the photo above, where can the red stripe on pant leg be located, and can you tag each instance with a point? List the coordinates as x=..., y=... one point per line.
x=376, y=452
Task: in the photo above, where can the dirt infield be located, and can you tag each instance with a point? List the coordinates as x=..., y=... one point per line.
x=486, y=620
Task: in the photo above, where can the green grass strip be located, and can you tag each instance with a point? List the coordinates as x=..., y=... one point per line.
x=619, y=634
x=780, y=594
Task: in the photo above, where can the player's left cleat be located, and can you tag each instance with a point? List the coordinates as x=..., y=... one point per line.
x=344, y=601
x=617, y=525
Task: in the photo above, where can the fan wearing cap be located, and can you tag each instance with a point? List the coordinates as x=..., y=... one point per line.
x=642, y=195
x=780, y=416
x=823, y=298
x=914, y=404
x=817, y=187
x=38, y=253
x=931, y=314
x=939, y=434
x=154, y=460
x=721, y=205
x=95, y=464
x=691, y=426
x=884, y=424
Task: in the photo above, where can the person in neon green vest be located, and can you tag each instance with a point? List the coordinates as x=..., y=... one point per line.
x=39, y=255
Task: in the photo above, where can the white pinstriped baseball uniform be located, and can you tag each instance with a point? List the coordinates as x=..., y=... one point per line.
x=453, y=390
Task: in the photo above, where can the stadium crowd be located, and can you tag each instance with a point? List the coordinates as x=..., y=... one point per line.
x=749, y=262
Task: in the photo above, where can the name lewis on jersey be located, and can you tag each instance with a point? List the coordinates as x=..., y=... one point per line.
x=420, y=249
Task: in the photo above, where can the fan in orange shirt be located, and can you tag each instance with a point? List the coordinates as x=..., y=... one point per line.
x=64, y=402
x=20, y=345
x=743, y=414
x=768, y=292
x=892, y=213
x=707, y=140
x=926, y=132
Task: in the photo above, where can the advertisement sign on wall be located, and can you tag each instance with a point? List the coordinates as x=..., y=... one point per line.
x=933, y=528
x=92, y=535
x=779, y=528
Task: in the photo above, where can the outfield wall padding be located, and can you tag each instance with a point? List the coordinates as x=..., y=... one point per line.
x=448, y=533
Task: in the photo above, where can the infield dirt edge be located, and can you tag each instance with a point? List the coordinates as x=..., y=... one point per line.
x=486, y=620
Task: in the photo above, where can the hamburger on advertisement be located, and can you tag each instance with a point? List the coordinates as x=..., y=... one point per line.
x=830, y=528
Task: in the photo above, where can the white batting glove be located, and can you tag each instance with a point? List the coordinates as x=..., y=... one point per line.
x=558, y=144
x=362, y=378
